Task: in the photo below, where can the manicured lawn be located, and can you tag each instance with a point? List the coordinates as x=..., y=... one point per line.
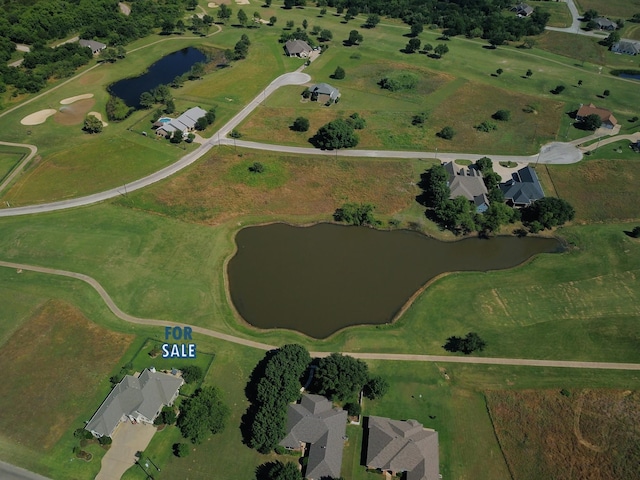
x=9, y=158
x=615, y=8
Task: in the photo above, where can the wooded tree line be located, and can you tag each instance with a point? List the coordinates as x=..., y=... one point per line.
x=39, y=22
x=475, y=18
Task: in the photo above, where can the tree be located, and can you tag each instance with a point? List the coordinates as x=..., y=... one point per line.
x=340, y=376
x=169, y=107
x=372, y=20
x=180, y=26
x=181, y=449
x=92, y=124
x=416, y=29
x=201, y=414
x=499, y=71
x=192, y=373
x=468, y=344
x=354, y=38
x=290, y=24
x=339, y=73
x=579, y=83
x=267, y=3
x=591, y=122
x=447, y=133
x=356, y=121
x=412, y=45
x=529, y=73
x=419, y=119
x=224, y=13
x=440, y=50
x=167, y=27
x=558, y=90
x=335, y=134
x=635, y=233
x=108, y=55
x=288, y=4
x=549, y=212
x=485, y=165
x=435, y=184
x=614, y=37
x=121, y=52
x=590, y=15
x=273, y=20
x=498, y=213
x=353, y=409
x=278, y=471
x=502, y=115
x=325, y=35
x=427, y=48
x=355, y=214
x=197, y=70
x=376, y=387
x=191, y=4
x=177, y=136
x=146, y=100
x=606, y=93
x=323, y=11
x=300, y=124
x=242, y=18
x=257, y=167
x=305, y=24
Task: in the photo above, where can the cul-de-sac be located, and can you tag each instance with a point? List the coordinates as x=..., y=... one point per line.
x=320, y=239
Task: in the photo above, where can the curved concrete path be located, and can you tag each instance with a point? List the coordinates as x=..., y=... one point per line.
x=365, y=356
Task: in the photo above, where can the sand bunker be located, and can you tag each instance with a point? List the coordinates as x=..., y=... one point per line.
x=38, y=117
x=70, y=100
x=212, y=5
x=98, y=115
x=242, y=2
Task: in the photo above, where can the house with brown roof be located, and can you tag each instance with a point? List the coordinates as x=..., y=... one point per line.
x=608, y=120
x=467, y=182
x=314, y=424
x=136, y=399
x=395, y=446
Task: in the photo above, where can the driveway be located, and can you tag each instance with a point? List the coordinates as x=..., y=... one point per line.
x=127, y=440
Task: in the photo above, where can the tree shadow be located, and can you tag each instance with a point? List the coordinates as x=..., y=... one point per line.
x=453, y=344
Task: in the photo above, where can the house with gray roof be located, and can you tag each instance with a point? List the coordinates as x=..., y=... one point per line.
x=322, y=428
x=323, y=92
x=605, y=24
x=467, y=182
x=523, y=10
x=137, y=399
x=523, y=189
x=396, y=446
x=96, y=47
x=185, y=123
x=297, y=48
x=626, y=47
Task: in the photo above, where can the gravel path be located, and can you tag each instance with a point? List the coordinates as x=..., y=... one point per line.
x=365, y=356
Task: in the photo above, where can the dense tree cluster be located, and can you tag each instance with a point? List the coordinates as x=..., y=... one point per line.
x=479, y=18
x=39, y=22
x=355, y=214
x=397, y=81
x=278, y=471
x=470, y=343
x=192, y=374
x=274, y=383
x=340, y=377
x=546, y=213
x=92, y=124
x=202, y=414
x=334, y=135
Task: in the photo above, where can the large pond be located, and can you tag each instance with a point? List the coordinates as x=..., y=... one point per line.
x=160, y=73
x=320, y=279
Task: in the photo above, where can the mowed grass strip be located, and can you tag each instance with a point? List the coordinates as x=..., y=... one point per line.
x=601, y=190
x=51, y=367
x=584, y=434
x=222, y=187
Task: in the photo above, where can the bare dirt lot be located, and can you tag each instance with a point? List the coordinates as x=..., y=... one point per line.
x=577, y=434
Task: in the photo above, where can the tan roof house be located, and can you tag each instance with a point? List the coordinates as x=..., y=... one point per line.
x=297, y=48
x=396, y=446
x=608, y=120
x=468, y=183
x=138, y=399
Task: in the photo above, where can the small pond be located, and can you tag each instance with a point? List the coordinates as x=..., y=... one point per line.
x=635, y=76
x=320, y=279
x=160, y=73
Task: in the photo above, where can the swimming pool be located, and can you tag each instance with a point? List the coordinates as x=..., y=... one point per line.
x=164, y=119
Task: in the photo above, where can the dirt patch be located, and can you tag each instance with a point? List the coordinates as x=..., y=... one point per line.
x=38, y=117
x=586, y=435
x=51, y=370
x=70, y=100
x=75, y=113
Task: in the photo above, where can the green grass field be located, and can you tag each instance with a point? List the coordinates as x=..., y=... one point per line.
x=616, y=8
x=560, y=14
x=9, y=158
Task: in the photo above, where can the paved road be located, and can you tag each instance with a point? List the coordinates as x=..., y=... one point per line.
x=11, y=472
x=22, y=164
x=368, y=356
x=575, y=24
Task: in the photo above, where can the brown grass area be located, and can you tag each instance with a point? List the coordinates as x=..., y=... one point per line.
x=599, y=190
x=473, y=103
x=50, y=369
x=591, y=434
x=74, y=113
x=222, y=188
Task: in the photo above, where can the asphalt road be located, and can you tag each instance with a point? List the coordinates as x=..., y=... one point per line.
x=368, y=356
x=11, y=472
x=575, y=24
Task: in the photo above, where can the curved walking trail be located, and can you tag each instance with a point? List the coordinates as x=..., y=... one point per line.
x=365, y=356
